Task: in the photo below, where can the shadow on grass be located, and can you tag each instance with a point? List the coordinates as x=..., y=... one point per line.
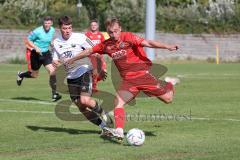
x=112, y=140
x=27, y=98
x=149, y=133
x=65, y=130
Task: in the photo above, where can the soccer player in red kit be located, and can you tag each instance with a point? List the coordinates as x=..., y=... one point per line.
x=98, y=62
x=126, y=50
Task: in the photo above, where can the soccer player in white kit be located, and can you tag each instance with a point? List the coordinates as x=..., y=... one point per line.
x=79, y=74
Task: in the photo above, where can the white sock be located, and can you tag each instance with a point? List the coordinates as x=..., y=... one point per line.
x=119, y=130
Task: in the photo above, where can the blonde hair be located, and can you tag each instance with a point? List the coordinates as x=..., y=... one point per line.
x=111, y=21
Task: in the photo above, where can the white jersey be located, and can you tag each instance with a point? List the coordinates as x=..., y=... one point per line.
x=65, y=49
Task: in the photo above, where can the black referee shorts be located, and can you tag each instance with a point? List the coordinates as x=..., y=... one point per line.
x=38, y=60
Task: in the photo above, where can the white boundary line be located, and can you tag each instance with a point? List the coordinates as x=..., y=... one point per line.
x=48, y=103
x=27, y=101
x=215, y=119
x=24, y=111
x=142, y=116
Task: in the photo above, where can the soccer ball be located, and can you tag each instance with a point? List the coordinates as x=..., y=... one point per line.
x=135, y=137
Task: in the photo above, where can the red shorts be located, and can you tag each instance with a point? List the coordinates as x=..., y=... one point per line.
x=147, y=83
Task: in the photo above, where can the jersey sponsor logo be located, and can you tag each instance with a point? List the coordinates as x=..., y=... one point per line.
x=67, y=54
x=96, y=42
x=119, y=54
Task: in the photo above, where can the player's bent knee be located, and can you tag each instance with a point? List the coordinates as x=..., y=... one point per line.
x=85, y=101
x=167, y=97
x=168, y=100
x=52, y=73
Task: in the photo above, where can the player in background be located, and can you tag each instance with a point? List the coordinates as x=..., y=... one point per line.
x=98, y=62
x=126, y=50
x=79, y=74
x=38, y=42
x=27, y=53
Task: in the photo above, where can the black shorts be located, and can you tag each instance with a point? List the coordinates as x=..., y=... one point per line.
x=79, y=85
x=38, y=60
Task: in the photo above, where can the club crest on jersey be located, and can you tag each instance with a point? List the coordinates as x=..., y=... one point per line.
x=60, y=46
x=73, y=45
x=121, y=45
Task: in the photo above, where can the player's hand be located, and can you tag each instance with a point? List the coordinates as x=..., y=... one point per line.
x=38, y=50
x=103, y=75
x=173, y=47
x=68, y=61
x=33, y=51
x=56, y=63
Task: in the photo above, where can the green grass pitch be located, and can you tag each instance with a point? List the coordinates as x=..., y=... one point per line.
x=203, y=122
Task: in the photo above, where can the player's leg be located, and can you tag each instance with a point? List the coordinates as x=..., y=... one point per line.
x=74, y=87
x=126, y=92
x=169, y=83
x=80, y=93
x=28, y=60
x=87, y=100
x=173, y=80
x=168, y=96
x=154, y=87
x=35, y=65
x=47, y=62
x=93, y=59
x=101, y=68
x=93, y=111
x=52, y=82
x=95, y=80
x=122, y=98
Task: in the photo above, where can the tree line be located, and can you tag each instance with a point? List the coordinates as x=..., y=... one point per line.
x=178, y=16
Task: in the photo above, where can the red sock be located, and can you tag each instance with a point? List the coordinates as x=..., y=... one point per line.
x=119, y=116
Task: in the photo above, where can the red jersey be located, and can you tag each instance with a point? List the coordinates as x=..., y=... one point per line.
x=96, y=38
x=127, y=54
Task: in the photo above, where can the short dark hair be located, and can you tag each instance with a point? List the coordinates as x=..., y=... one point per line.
x=47, y=18
x=111, y=21
x=66, y=20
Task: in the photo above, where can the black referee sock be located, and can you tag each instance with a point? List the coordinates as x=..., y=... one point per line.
x=26, y=74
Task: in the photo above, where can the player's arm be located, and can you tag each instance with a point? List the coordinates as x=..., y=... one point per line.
x=29, y=41
x=28, y=46
x=31, y=46
x=157, y=44
x=56, y=63
x=83, y=54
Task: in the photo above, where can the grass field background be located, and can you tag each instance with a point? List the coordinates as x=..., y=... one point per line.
x=208, y=99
